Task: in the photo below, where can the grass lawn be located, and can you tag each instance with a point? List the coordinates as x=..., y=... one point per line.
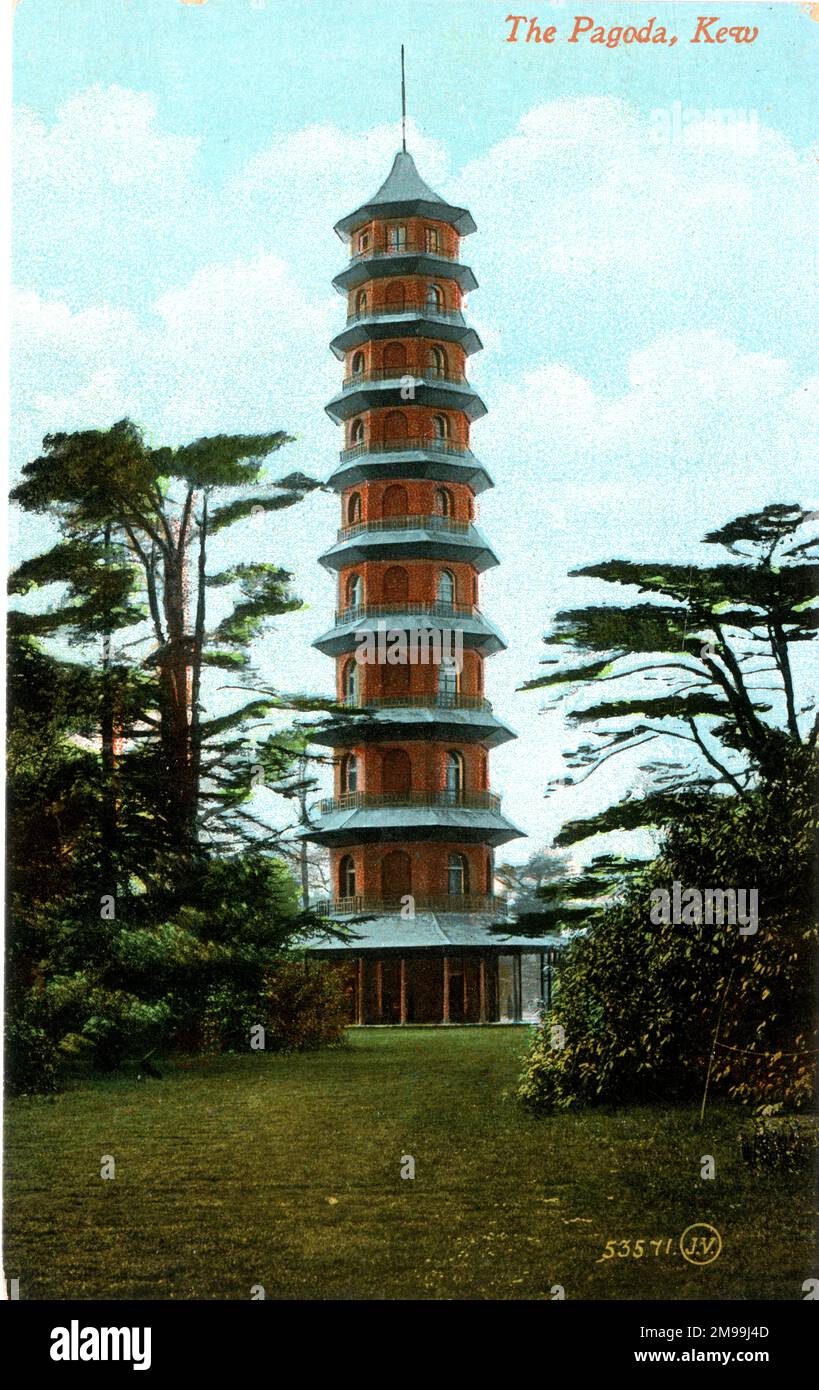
x=285, y=1172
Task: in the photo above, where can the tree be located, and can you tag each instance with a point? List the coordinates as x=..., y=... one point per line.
x=142, y=903
x=137, y=526
x=706, y=636
x=549, y=897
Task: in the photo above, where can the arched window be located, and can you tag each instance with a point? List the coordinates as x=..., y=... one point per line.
x=449, y=682
x=454, y=776
x=355, y=591
x=436, y=362
x=395, y=425
x=446, y=587
x=395, y=358
x=357, y=366
x=346, y=877
x=444, y=505
x=353, y=508
x=349, y=773
x=361, y=303
x=435, y=297
x=396, y=875
x=357, y=432
x=396, y=772
x=395, y=501
x=395, y=681
x=396, y=586
x=395, y=297
x=398, y=238
x=350, y=682
x=458, y=876
x=431, y=239
x=490, y=875
x=478, y=676
x=440, y=426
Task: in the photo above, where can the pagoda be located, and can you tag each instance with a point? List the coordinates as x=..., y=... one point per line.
x=412, y=825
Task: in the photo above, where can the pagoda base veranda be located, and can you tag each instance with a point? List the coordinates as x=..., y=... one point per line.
x=439, y=968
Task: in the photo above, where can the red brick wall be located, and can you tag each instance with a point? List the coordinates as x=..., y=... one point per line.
x=419, y=420
x=429, y=863
x=423, y=578
x=378, y=231
x=375, y=356
x=381, y=293
x=420, y=498
x=427, y=765
x=422, y=680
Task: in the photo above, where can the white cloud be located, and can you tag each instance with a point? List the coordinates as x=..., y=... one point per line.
x=592, y=234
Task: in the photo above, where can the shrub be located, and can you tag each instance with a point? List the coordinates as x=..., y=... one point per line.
x=32, y=1062
x=780, y=1143
x=300, y=1005
x=639, y=1003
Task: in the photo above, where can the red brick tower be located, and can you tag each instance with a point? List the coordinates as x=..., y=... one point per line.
x=413, y=821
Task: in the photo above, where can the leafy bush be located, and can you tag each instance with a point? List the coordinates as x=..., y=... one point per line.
x=300, y=1005
x=639, y=1003
x=195, y=980
x=32, y=1062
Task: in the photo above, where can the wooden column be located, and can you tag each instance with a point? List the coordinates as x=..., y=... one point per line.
x=360, y=999
x=379, y=989
x=403, y=990
x=446, y=990
x=482, y=988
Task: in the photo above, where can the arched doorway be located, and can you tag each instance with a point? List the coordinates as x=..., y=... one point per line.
x=396, y=875
x=350, y=683
x=395, y=501
x=396, y=585
x=395, y=358
x=395, y=298
x=396, y=681
x=346, y=877
x=395, y=425
x=396, y=772
x=454, y=777
x=458, y=875
x=349, y=773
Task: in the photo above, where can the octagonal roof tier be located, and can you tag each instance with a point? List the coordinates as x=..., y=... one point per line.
x=404, y=193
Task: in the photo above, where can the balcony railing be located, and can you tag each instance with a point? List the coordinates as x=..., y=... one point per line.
x=439, y=700
x=405, y=522
x=422, y=307
x=455, y=800
x=410, y=246
x=447, y=902
x=439, y=609
x=402, y=445
x=427, y=373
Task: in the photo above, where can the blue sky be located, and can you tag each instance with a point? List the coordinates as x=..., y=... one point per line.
x=645, y=253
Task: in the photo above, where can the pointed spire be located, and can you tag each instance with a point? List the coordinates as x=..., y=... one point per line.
x=403, y=105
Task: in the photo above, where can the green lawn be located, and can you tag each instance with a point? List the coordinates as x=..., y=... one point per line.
x=285, y=1172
